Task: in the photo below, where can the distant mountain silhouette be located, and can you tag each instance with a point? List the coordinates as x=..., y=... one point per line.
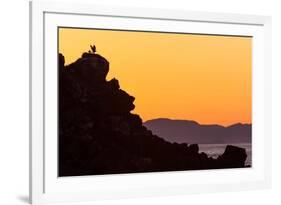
x=185, y=131
x=98, y=134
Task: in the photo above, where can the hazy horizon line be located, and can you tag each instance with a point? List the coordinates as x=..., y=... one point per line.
x=189, y=120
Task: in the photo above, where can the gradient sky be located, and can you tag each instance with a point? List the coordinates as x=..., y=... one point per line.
x=179, y=76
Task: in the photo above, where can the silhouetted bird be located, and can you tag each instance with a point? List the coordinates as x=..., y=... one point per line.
x=93, y=48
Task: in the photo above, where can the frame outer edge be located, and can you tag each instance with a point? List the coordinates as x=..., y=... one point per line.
x=151, y=13
x=268, y=100
x=36, y=13
x=30, y=101
x=36, y=103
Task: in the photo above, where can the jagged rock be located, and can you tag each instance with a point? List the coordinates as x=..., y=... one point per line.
x=233, y=157
x=194, y=148
x=113, y=84
x=93, y=69
x=61, y=61
x=98, y=134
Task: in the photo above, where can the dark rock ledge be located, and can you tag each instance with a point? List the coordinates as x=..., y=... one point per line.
x=99, y=135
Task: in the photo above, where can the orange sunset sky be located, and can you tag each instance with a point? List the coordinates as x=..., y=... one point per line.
x=179, y=76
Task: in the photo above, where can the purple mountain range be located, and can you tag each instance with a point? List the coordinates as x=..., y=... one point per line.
x=186, y=131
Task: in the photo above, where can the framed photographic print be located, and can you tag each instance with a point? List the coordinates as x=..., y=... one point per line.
x=129, y=102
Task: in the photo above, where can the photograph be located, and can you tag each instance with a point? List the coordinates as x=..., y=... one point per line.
x=134, y=101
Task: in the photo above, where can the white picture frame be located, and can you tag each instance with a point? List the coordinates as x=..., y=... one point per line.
x=46, y=186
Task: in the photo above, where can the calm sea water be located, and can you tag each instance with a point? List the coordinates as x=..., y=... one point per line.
x=214, y=150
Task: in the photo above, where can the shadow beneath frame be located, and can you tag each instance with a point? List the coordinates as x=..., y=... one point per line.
x=23, y=198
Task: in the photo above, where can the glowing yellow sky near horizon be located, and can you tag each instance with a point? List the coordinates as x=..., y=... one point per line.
x=179, y=76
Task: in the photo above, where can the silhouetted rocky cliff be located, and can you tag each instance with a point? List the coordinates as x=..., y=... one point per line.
x=99, y=135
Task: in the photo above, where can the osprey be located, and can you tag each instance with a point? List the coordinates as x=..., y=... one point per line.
x=93, y=48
